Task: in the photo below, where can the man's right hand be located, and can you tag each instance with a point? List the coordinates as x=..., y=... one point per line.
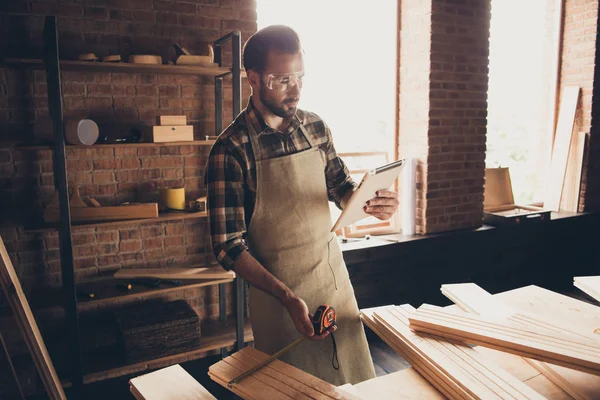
x=302, y=318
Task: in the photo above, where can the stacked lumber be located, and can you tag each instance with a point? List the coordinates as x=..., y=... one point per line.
x=170, y=383
x=472, y=298
x=277, y=380
x=570, y=351
x=456, y=370
x=589, y=285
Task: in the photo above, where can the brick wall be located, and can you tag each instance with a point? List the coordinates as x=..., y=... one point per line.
x=578, y=68
x=413, y=97
x=443, y=108
x=118, y=102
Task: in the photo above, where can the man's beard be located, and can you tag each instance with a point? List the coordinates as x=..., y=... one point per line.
x=277, y=108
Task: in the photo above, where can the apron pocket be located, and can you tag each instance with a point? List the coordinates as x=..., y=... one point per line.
x=332, y=259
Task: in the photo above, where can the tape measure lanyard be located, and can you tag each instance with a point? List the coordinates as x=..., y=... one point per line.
x=334, y=359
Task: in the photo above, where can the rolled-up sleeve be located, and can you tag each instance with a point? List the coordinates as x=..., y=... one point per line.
x=225, y=204
x=339, y=180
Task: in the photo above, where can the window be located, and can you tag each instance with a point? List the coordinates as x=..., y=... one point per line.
x=350, y=64
x=520, y=97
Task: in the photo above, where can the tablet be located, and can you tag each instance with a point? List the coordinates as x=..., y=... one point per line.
x=374, y=180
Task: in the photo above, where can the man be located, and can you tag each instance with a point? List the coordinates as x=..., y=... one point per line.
x=269, y=177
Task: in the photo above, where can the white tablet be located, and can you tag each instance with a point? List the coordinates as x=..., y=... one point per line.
x=377, y=179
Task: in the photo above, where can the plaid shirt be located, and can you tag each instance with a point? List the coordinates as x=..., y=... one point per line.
x=231, y=174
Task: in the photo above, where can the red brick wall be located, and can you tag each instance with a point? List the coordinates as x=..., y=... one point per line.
x=443, y=108
x=578, y=65
x=413, y=93
x=117, y=102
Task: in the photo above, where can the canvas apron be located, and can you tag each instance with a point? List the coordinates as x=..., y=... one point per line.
x=289, y=234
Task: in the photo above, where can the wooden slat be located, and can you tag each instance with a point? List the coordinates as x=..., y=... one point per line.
x=558, y=349
x=571, y=189
x=68, y=65
x=428, y=370
x=170, y=383
x=268, y=382
x=406, y=384
x=174, y=273
x=560, y=149
x=589, y=285
x=464, y=365
x=579, y=385
x=16, y=298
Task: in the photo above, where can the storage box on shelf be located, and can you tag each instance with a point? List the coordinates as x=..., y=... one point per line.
x=499, y=206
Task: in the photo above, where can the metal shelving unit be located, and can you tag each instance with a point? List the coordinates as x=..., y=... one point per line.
x=53, y=65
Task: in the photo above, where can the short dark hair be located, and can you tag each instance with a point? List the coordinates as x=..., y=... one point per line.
x=278, y=38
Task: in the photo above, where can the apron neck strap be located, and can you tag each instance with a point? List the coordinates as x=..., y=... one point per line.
x=253, y=135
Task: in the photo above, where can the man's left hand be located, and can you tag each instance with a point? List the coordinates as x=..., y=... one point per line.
x=383, y=206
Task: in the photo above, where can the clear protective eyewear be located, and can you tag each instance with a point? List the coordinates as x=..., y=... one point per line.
x=282, y=83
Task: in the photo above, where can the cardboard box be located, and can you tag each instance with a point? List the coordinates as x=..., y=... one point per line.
x=499, y=206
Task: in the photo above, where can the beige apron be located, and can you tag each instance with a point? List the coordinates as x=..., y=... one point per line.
x=289, y=234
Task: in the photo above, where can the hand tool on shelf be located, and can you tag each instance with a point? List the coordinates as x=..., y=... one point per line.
x=323, y=319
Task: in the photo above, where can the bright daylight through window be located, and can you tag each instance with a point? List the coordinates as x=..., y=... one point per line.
x=522, y=61
x=350, y=65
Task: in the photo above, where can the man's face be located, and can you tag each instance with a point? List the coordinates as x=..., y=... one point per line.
x=281, y=103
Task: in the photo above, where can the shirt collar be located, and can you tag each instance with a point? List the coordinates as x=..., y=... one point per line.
x=260, y=126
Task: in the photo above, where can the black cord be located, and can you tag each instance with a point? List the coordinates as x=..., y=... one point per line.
x=334, y=359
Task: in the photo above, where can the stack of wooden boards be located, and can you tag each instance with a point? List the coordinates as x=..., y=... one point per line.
x=171, y=128
x=277, y=380
x=556, y=338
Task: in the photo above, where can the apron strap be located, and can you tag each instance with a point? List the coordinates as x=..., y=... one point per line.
x=253, y=135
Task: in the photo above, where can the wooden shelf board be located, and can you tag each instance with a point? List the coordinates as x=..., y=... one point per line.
x=102, y=363
x=22, y=146
x=87, y=66
x=162, y=217
x=105, y=291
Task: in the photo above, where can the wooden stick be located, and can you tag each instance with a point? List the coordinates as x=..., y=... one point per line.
x=24, y=317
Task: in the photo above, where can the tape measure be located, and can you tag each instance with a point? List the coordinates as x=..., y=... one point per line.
x=323, y=319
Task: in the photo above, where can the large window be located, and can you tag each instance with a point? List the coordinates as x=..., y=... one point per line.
x=350, y=64
x=522, y=62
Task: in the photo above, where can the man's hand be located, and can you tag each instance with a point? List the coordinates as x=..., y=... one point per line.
x=302, y=318
x=383, y=206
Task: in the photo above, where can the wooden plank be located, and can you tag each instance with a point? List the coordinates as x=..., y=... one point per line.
x=291, y=371
x=553, y=306
x=465, y=364
x=579, y=385
x=33, y=338
x=405, y=384
x=86, y=66
x=560, y=150
x=105, y=213
x=428, y=370
x=562, y=350
x=589, y=285
x=265, y=383
x=276, y=374
x=571, y=189
x=170, y=383
x=175, y=273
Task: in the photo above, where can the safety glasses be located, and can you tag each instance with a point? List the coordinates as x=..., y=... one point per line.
x=282, y=83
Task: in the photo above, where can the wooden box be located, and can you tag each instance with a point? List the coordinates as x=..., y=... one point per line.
x=170, y=133
x=499, y=206
x=155, y=329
